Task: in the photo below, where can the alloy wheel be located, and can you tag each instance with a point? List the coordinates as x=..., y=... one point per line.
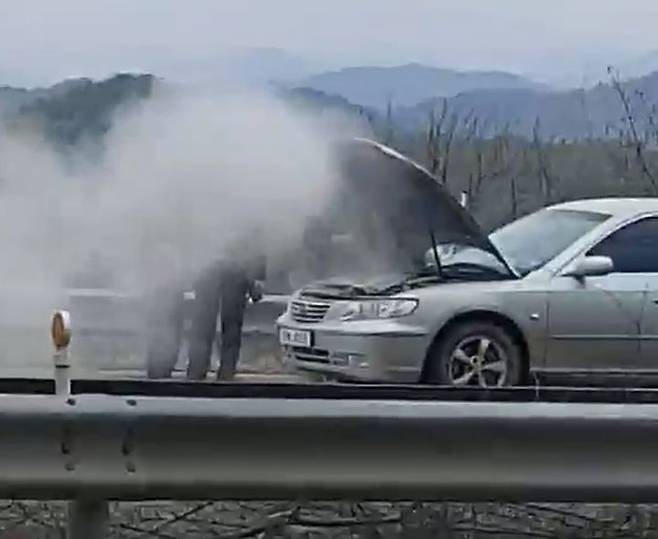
x=478, y=360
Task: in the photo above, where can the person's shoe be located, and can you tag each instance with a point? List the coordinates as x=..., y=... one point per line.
x=197, y=367
x=225, y=376
x=196, y=376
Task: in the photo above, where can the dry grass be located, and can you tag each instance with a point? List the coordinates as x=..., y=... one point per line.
x=241, y=520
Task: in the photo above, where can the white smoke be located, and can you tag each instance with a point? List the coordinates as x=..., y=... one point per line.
x=181, y=176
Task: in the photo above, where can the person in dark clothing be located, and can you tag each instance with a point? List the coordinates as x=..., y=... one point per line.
x=224, y=287
x=163, y=309
x=316, y=242
x=165, y=312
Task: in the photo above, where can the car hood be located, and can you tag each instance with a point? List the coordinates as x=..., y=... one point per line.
x=408, y=200
x=354, y=286
x=351, y=287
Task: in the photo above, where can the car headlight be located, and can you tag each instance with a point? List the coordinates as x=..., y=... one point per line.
x=377, y=309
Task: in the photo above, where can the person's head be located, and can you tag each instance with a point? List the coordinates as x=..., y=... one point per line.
x=245, y=243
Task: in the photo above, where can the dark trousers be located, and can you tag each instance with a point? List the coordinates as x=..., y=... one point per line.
x=164, y=326
x=223, y=289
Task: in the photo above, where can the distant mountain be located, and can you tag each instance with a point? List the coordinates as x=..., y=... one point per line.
x=315, y=100
x=407, y=85
x=11, y=99
x=74, y=109
x=569, y=114
x=639, y=65
x=81, y=109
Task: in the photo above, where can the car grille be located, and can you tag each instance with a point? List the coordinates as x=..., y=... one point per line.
x=310, y=354
x=308, y=312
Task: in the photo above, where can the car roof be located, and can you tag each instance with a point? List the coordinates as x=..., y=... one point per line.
x=617, y=207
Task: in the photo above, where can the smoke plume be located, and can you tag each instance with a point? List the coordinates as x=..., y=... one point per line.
x=181, y=177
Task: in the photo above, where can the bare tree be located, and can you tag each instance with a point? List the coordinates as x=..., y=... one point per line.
x=514, y=201
x=637, y=142
x=389, y=128
x=440, y=137
x=494, y=159
x=547, y=181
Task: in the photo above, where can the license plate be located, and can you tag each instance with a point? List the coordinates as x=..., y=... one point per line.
x=294, y=337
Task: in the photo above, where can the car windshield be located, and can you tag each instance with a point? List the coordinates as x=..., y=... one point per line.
x=530, y=242
x=526, y=244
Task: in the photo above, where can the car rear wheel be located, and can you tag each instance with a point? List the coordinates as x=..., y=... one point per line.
x=476, y=354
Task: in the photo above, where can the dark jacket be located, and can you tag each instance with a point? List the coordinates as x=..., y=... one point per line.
x=245, y=258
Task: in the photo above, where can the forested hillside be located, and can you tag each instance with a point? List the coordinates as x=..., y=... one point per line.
x=74, y=110
x=504, y=173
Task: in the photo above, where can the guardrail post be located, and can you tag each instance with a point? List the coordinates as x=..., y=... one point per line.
x=60, y=330
x=88, y=518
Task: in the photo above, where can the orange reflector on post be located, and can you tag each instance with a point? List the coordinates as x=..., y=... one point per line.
x=60, y=329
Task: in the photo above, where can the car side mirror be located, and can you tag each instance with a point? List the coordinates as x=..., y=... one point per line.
x=591, y=266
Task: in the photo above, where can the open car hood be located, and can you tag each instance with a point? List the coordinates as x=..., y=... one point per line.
x=406, y=201
x=353, y=286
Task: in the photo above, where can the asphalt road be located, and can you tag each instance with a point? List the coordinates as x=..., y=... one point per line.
x=138, y=374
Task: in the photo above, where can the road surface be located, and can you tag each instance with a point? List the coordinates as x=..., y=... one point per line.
x=138, y=374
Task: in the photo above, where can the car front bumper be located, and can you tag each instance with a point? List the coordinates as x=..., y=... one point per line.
x=373, y=350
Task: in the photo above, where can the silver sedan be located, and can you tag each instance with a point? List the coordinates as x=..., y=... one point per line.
x=572, y=288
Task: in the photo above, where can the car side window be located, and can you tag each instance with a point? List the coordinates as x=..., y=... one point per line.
x=633, y=248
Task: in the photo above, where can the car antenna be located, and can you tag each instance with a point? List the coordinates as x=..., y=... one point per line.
x=435, y=249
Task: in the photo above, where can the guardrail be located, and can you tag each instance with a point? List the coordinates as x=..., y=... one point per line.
x=91, y=448
x=317, y=442
x=110, y=447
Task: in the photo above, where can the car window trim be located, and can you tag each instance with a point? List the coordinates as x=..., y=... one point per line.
x=645, y=218
x=559, y=272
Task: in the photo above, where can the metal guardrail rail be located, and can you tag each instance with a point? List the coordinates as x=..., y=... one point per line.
x=96, y=440
x=135, y=448
x=261, y=441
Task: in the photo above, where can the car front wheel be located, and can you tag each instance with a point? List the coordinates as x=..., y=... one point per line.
x=476, y=353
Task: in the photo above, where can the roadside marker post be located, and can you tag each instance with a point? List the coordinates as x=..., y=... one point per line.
x=88, y=518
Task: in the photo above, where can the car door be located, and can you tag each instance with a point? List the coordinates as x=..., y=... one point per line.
x=649, y=340
x=596, y=323
x=646, y=260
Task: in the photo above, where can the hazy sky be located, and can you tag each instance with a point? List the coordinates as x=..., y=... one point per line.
x=44, y=40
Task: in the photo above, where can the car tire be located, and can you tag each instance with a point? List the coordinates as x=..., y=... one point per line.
x=476, y=353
